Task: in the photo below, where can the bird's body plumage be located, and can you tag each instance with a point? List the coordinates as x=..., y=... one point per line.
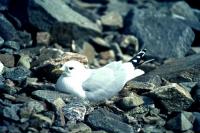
x=97, y=84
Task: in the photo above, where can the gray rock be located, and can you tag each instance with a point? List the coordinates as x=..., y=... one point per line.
x=1, y=80
x=40, y=120
x=173, y=92
x=8, y=89
x=154, y=31
x=50, y=96
x=11, y=112
x=79, y=128
x=75, y=110
x=184, y=12
x=30, y=108
x=153, y=129
x=97, y=1
x=7, y=30
x=180, y=70
x=3, y=129
x=59, y=129
x=101, y=119
x=112, y=20
x=101, y=131
x=67, y=26
x=131, y=101
x=25, y=39
x=43, y=38
x=7, y=50
x=12, y=45
x=7, y=59
x=139, y=87
x=47, y=54
x=188, y=85
x=179, y=123
x=100, y=43
x=17, y=74
x=1, y=41
x=24, y=61
x=196, y=122
x=89, y=51
x=121, y=7
x=32, y=52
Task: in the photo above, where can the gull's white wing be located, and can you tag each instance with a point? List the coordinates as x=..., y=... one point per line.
x=105, y=82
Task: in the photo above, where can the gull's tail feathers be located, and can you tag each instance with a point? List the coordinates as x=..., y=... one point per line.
x=136, y=60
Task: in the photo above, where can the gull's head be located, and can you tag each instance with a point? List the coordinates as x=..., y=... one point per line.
x=72, y=68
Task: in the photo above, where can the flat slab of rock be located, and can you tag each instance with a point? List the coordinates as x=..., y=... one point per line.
x=172, y=97
x=67, y=24
x=50, y=96
x=103, y=120
x=185, y=69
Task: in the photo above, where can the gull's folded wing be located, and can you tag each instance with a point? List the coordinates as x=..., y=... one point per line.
x=105, y=82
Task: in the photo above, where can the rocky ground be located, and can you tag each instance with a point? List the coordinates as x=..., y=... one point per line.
x=37, y=36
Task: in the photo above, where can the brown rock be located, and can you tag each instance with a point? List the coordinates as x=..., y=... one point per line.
x=8, y=60
x=43, y=38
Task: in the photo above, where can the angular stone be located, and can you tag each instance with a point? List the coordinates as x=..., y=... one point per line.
x=17, y=74
x=184, y=12
x=181, y=70
x=131, y=101
x=1, y=81
x=7, y=59
x=25, y=39
x=103, y=120
x=12, y=45
x=42, y=120
x=181, y=98
x=65, y=25
x=79, y=128
x=48, y=67
x=154, y=31
x=188, y=85
x=196, y=122
x=43, y=38
x=24, y=61
x=7, y=30
x=139, y=87
x=30, y=108
x=100, y=43
x=75, y=111
x=50, y=96
x=121, y=7
x=112, y=20
x=53, y=11
x=89, y=51
x=129, y=40
x=47, y=54
x=11, y=112
x=1, y=41
x=179, y=123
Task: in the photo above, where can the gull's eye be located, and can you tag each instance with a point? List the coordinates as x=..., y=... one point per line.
x=71, y=68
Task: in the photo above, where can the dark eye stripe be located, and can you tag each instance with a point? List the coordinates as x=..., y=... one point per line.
x=71, y=68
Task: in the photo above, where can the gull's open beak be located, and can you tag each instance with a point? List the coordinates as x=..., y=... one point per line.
x=58, y=71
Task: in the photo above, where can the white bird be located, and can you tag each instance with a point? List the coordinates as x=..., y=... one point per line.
x=98, y=84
